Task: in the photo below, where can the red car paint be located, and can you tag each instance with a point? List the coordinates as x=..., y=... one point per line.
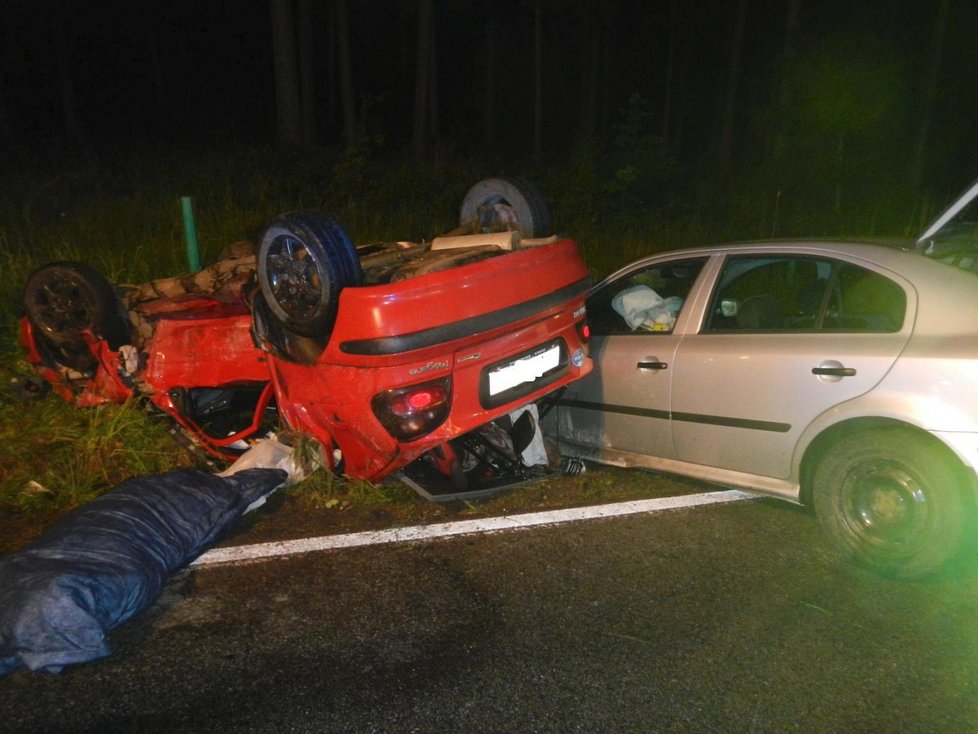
x=445, y=328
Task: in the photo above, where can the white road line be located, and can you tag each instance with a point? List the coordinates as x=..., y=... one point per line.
x=241, y=553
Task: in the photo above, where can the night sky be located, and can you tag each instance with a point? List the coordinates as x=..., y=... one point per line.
x=853, y=82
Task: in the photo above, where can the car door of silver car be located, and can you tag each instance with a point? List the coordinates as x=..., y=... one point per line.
x=624, y=403
x=784, y=338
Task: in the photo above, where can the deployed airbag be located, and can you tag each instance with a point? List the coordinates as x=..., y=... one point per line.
x=642, y=307
x=110, y=559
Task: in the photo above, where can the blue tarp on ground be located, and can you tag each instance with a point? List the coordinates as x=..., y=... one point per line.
x=110, y=559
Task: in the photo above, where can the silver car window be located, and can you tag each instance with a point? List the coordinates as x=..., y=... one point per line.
x=645, y=301
x=801, y=293
x=867, y=302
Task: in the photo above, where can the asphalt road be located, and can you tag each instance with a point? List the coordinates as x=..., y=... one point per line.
x=723, y=618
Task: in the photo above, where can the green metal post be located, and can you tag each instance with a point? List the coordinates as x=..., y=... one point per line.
x=190, y=234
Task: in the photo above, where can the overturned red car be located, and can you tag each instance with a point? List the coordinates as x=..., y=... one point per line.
x=382, y=353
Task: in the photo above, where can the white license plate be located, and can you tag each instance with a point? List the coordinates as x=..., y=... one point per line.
x=525, y=369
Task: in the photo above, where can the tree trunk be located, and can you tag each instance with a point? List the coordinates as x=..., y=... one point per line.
x=433, y=117
x=783, y=94
x=678, y=101
x=346, y=74
x=489, y=114
x=930, y=96
x=150, y=33
x=670, y=69
x=288, y=115
x=6, y=124
x=606, y=112
x=6, y=128
x=589, y=92
x=537, y=82
x=331, y=91
x=69, y=101
x=733, y=82
x=422, y=78
x=307, y=86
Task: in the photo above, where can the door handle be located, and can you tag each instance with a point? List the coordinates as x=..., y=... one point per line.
x=834, y=371
x=651, y=364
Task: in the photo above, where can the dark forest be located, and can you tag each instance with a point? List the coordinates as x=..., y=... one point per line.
x=830, y=100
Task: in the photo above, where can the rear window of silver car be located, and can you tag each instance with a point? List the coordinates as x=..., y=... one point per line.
x=789, y=293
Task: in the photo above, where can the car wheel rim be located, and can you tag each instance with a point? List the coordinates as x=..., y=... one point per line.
x=63, y=306
x=884, y=505
x=497, y=215
x=293, y=276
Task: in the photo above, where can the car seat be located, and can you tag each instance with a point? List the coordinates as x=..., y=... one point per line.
x=760, y=312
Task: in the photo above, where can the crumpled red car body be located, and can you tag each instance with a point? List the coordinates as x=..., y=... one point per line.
x=437, y=355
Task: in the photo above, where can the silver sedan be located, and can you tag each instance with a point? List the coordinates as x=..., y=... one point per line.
x=838, y=375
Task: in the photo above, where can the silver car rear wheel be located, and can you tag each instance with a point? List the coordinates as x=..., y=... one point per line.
x=892, y=501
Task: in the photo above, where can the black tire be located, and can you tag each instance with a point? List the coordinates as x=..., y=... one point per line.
x=501, y=204
x=64, y=299
x=304, y=261
x=892, y=501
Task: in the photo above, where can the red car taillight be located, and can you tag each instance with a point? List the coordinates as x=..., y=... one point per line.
x=410, y=412
x=584, y=331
